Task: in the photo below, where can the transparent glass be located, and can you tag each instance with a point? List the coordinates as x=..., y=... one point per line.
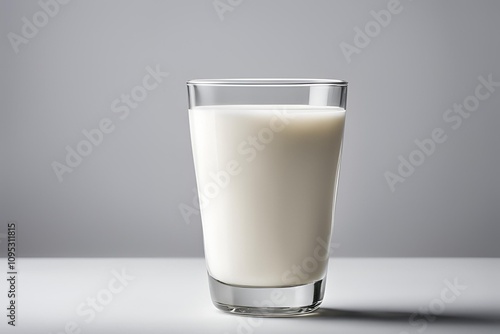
x=267, y=157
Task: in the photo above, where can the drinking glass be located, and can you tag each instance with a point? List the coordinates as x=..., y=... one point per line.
x=267, y=156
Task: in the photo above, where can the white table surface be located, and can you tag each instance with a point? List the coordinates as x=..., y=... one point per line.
x=372, y=295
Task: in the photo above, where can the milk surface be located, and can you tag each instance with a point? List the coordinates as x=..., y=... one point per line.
x=266, y=178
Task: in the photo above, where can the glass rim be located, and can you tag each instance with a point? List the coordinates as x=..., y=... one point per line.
x=267, y=82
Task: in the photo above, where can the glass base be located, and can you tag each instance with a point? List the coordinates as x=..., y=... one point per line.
x=267, y=301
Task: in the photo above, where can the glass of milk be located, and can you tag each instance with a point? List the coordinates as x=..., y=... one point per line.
x=267, y=156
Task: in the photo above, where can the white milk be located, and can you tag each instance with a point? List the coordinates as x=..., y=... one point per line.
x=266, y=178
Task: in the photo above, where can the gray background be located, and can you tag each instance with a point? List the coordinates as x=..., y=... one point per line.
x=123, y=200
